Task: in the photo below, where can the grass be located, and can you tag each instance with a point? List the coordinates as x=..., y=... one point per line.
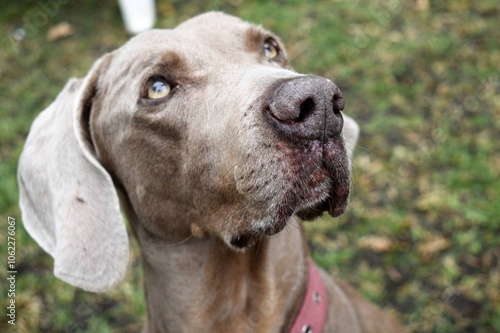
x=421, y=237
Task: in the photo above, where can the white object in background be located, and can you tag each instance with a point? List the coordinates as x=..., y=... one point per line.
x=138, y=15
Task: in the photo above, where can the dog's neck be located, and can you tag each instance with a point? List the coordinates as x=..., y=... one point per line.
x=201, y=285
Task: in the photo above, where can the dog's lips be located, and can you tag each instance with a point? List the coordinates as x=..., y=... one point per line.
x=335, y=204
x=328, y=185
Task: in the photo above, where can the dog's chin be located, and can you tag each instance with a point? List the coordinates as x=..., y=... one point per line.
x=243, y=241
x=249, y=238
x=335, y=204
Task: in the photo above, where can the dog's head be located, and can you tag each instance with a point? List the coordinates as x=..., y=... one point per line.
x=203, y=127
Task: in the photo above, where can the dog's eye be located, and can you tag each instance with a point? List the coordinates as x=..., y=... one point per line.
x=158, y=88
x=271, y=48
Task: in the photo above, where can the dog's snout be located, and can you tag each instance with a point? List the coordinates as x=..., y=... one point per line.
x=307, y=107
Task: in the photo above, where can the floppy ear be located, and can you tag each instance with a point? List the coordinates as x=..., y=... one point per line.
x=350, y=133
x=68, y=201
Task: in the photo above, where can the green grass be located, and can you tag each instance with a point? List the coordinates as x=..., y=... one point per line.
x=422, y=235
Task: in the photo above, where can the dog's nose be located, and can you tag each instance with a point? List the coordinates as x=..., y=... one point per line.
x=307, y=107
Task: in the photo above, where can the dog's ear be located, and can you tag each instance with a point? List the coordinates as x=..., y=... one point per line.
x=68, y=201
x=350, y=134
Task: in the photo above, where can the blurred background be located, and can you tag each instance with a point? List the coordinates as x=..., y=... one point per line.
x=422, y=79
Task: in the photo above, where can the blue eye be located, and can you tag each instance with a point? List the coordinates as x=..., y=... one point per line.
x=158, y=89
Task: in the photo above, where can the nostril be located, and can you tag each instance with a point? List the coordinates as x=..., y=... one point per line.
x=306, y=108
x=338, y=103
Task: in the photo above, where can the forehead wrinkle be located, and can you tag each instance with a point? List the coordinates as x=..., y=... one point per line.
x=169, y=61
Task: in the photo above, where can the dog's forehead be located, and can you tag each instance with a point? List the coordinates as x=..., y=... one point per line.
x=201, y=35
x=213, y=21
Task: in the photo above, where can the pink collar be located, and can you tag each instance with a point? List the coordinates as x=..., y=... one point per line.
x=312, y=314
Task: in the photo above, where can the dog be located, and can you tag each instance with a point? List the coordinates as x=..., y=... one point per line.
x=215, y=149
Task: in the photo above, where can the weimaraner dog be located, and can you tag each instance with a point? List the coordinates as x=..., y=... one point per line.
x=214, y=148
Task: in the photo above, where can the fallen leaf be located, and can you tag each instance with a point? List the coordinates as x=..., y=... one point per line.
x=375, y=243
x=422, y=5
x=433, y=246
x=59, y=31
